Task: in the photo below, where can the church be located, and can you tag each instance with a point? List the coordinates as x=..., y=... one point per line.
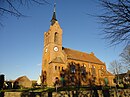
x=69, y=66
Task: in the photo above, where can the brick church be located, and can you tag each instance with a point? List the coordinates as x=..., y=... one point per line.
x=67, y=65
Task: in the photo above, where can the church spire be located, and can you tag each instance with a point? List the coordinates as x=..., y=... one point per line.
x=53, y=20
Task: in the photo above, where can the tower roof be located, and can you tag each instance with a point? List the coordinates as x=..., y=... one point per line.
x=53, y=20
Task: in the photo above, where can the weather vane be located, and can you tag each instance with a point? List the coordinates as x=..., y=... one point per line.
x=54, y=5
x=54, y=1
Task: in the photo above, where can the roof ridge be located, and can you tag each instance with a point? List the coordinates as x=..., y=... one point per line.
x=76, y=50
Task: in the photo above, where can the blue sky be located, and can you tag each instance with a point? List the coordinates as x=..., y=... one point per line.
x=21, y=39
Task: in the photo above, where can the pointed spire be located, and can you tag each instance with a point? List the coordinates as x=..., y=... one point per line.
x=54, y=15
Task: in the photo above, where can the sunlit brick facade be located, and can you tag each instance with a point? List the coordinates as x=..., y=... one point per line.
x=71, y=65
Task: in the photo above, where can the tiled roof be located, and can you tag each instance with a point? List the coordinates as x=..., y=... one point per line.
x=128, y=72
x=121, y=75
x=82, y=56
x=22, y=78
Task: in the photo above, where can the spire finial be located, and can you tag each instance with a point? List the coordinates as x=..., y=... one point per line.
x=55, y=7
x=54, y=15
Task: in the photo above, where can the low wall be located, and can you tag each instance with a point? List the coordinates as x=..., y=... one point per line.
x=80, y=93
x=25, y=94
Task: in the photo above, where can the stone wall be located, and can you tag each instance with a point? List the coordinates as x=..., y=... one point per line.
x=12, y=94
x=25, y=94
x=85, y=93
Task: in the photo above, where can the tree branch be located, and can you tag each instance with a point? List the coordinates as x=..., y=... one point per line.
x=116, y=21
x=11, y=6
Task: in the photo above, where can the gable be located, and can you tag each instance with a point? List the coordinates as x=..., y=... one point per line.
x=57, y=60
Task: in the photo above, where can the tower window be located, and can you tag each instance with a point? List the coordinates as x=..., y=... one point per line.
x=56, y=37
x=62, y=69
x=59, y=67
x=55, y=67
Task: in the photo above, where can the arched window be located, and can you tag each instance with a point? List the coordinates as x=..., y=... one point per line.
x=56, y=37
x=55, y=67
x=43, y=79
x=72, y=68
x=93, y=71
x=72, y=78
x=83, y=70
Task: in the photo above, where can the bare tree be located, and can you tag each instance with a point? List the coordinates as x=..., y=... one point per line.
x=115, y=67
x=125, y=57
x=12, y=6
x=116, y=21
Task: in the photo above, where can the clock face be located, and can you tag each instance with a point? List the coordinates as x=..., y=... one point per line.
x=56, y=48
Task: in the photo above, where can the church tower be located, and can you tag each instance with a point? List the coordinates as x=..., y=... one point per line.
x=81, y=67
x=53, y=57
